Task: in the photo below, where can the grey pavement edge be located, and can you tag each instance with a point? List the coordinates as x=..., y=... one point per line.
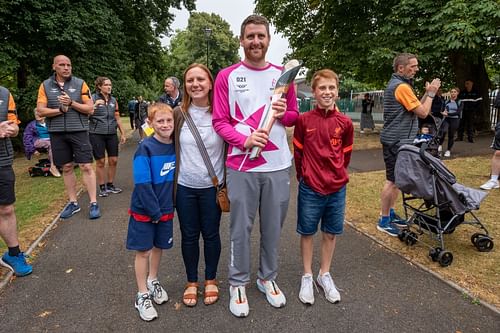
x=83, y=281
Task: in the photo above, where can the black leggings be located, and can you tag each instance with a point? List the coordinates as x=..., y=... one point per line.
x=450, y=126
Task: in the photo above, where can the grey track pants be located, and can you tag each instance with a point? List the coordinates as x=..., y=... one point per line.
x=269, y=193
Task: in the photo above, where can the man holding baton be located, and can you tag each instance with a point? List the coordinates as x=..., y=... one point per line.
x=242, y=93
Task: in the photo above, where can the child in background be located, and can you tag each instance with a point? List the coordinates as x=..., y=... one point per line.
x=36, y=136
x=151, y=210
x=322, y=140
x=424, y=135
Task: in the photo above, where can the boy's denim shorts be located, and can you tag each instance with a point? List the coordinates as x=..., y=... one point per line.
x=313, y=207
x=143, y=236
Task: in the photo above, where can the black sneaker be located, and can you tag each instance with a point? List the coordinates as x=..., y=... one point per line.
x=103, y=192
x=113, y=189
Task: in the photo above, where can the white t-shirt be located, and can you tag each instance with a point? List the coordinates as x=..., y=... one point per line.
x=192, y=171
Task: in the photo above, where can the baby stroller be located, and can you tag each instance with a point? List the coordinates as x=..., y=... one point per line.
x=434, y=203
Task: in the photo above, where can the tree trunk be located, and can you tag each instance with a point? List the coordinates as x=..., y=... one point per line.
x=472, y=67
x=22, y=76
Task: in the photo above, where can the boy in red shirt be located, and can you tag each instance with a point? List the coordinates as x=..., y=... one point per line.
x=322, y=140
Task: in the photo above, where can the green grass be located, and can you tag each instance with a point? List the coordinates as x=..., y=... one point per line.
x=478, y=272
x=39, y=199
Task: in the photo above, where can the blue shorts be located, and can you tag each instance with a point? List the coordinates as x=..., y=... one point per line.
x=143, y=236
x=313, y=207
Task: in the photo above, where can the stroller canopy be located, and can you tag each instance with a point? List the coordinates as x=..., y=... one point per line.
x=418, y=173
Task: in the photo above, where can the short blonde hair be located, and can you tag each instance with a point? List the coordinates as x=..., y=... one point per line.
x=324, y=74
x=158, y=108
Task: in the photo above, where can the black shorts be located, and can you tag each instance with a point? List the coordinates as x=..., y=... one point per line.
x=390, y=155
x=496, y=139
x=7, y=190
x=138, y=123
x=104, y=143
x=71, y=147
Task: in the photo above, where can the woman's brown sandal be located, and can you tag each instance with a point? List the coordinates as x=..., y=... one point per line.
x=211, y=294
x=190, y=297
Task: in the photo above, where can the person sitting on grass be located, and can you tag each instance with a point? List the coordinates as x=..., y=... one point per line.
x=321, y=162
x=36, y=136
x=150, y=228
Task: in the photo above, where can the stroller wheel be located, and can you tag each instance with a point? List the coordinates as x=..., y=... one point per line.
x=411, y=238
x=484, y=243
x=433, y=253
x=403, y=234
x=445, y=258
x=475, y=236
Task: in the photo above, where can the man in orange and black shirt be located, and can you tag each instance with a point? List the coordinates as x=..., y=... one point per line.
x=401, y=109
x=66, y=103
x=14, y=259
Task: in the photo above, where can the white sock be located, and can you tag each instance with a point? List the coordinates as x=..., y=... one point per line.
x=494, y=177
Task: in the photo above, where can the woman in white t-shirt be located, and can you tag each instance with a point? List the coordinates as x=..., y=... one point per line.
x=195, y=193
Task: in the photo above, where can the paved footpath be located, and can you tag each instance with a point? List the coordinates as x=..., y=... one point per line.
x=83, y=281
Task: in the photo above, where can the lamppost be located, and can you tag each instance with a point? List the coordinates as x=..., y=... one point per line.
x=208, y=33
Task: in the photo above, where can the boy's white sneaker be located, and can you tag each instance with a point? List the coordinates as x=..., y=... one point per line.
x=274, y=295
x=447, y=153
x=145, y=307
x=490, y=184
x=238, y=303
x=306, y=294
x=325, y=281
x=157, y=292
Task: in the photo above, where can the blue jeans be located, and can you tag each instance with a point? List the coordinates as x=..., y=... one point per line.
x=198, y=213
x=313, y=207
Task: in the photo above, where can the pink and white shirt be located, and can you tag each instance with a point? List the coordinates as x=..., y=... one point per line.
x=241, y=95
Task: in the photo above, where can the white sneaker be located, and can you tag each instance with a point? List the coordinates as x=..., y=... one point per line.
x=145, y=307
x=490, y=184
x=238, y=303
x=440, y=149
x=325, y=281
x=447, y=153
x=157, y=292
x=306, y=294
x=274, y=295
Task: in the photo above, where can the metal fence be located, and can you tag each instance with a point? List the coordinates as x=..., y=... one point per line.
x=352, y=106
x=494, y=112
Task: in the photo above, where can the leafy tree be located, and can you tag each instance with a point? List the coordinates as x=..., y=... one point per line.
x=190, y=45
x=116, y=38
x=454, y=39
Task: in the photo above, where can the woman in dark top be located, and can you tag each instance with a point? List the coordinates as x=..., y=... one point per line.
x=366, y=114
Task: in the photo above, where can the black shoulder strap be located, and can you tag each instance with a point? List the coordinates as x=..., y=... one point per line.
x=201, y=147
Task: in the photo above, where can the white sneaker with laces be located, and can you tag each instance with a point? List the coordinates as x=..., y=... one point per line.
x=306, y=294
x=325, y=281
x=157, y=292
x=238, y=303
x=274, y=295
x=447, y=153
x=145, y=307
x=490, y=184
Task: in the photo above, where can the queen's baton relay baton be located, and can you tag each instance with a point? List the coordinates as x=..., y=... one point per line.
x=288, y=74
